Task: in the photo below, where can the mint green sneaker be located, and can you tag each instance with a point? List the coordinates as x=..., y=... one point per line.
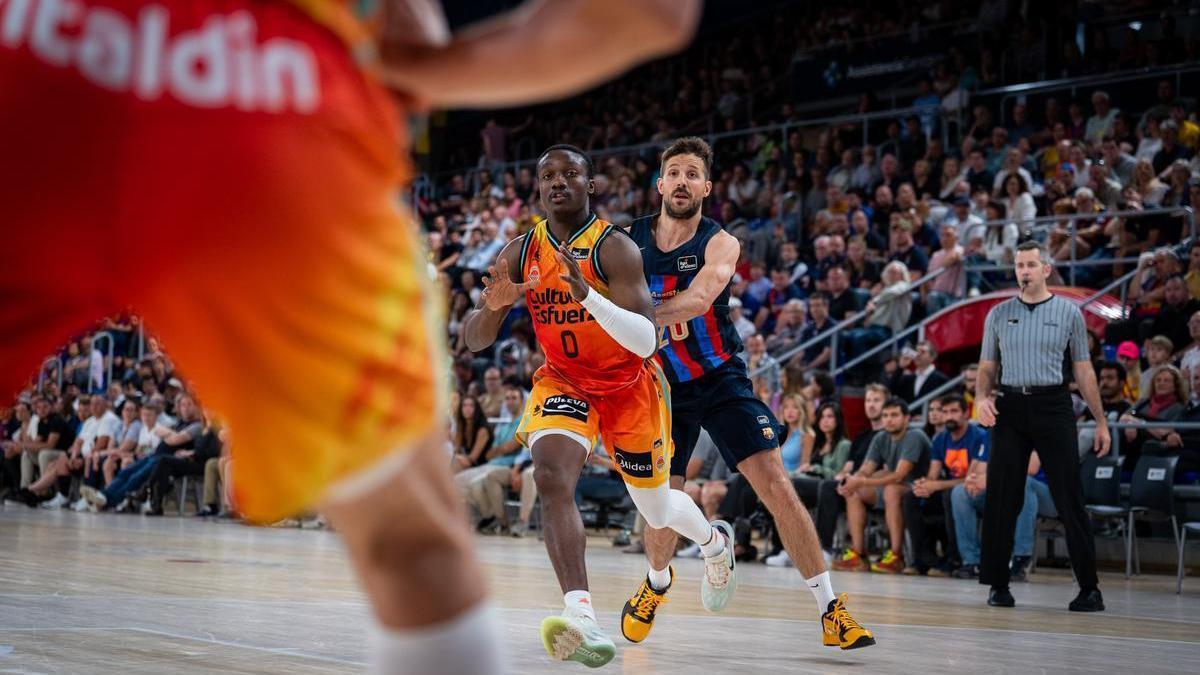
x=572, y=636
x=720, y=578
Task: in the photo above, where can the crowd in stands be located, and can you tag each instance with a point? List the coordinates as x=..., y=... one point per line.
x=119, y=442
x=830, y=229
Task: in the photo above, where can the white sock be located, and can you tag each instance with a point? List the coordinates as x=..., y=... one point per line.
x=660, y=579
x=822, y=590
x=468, y=643
x=715, y=545
x=581, y=602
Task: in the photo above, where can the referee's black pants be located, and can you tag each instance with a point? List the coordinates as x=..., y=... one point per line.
x=1046, y=423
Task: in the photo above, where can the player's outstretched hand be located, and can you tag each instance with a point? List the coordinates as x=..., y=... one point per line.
x=499, y=290
x=574, y=275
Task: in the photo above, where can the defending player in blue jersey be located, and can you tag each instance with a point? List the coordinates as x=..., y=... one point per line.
x=689, y=261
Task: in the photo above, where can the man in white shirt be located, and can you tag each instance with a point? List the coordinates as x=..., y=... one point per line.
x=1100, y=125
x=95, y=436
x=966, y=223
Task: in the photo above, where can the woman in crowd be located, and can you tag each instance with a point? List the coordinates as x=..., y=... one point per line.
x=472, y=435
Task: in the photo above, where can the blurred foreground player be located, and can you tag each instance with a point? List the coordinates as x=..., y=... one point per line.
x=582, y=280
x=231, y=169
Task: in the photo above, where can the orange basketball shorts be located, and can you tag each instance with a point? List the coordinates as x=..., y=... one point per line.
x=634, y=422
x=226, y=169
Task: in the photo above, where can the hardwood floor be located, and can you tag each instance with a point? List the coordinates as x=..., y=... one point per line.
x=83, y=593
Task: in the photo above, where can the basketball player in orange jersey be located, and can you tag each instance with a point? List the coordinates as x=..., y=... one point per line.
x=689, y=261
x=582, y=279
x=230, y=168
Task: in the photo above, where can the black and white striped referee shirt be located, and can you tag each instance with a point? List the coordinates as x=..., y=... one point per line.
x=1030, y=341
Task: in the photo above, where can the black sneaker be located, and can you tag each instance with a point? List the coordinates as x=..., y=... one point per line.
x=1088, y=600
x=967, y=572
x=1018, y=568
x=25, y=496
x=1001, y=597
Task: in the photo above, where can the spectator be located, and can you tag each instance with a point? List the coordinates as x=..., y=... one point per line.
x=757, y=359
x=1011, y=166
x=1189, y=357
x=1107, y=189
x=1100, y=124
x=1177, y=309
x=1119, y=162
x=997, y=150
x=493, y=397
x=182, y=435
x=1150, y=141
x=866, y=175
x=816, y=355
x=1164, y=401
x=864, y=272
x=814, y=478
x=951, y=180
x=744, y=327
x=1171, y=149
x=472, y=435
x=1111, y=381
x=926, y=377
x=952, y=451
x=125, y=440
x=842, y=175
x=967, y=503
x=782, y=291
x=183, y=463
x=1146, y=185
x=1158, y=351
x=788, y=328
x=1017, y=200
x=1183, y=442
x=893, y=460
x=860, y=227
x=966, y=223
x=904, y=249
x=843, y=302
x=1128, y=355
x=888, y=312
x=934, y=422
x=743, y=189
x=484, y=486
x=951, y=285
x=1189, y=131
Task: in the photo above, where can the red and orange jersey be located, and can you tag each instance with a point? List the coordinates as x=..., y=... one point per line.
x=576, y=347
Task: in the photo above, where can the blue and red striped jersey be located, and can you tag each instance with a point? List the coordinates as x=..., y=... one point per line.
x=693, y=348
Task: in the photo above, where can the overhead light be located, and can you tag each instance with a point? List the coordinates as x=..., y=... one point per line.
x=1136, y=25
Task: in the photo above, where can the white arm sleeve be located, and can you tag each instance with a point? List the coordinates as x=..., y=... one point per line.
x=630, y=329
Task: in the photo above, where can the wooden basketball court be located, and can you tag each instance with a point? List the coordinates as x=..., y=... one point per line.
x=84, y=593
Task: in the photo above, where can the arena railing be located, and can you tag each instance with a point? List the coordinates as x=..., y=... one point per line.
x=1072, y=84
x=112, y=343
x=834, y=331
x=57, y=368
x=923, y=402
x=1042, y=224
x=783, y=129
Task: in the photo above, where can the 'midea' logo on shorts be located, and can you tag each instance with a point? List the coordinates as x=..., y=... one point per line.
x=635, y=464
x=220, y=64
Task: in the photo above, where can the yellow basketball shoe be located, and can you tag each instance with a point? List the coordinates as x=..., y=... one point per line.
x=841, y=630
x=637, y=618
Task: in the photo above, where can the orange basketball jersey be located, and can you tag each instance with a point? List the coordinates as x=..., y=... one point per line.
x=576, y=347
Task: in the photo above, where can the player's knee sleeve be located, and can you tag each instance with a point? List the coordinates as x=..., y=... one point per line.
x=654, y=504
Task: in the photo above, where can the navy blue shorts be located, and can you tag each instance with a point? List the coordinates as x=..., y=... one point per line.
x=723, y=402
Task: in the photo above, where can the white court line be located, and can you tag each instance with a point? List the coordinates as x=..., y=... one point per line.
x=278, y=651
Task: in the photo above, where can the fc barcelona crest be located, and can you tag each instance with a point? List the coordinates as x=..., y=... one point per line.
x=768, y=433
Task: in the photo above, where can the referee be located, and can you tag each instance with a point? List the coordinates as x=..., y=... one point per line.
x=1025, y=340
